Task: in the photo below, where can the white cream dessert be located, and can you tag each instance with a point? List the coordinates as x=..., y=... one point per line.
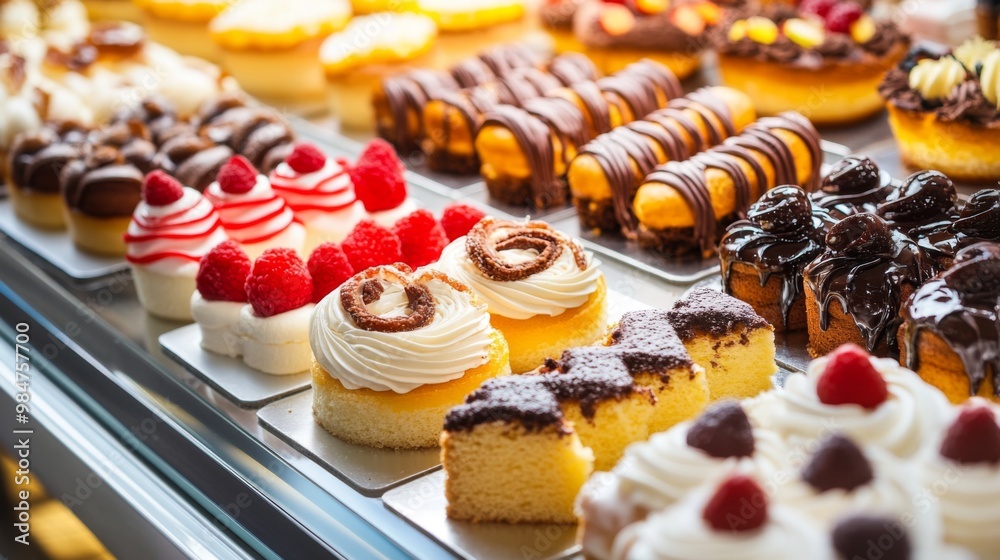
x=319, y=191
x=171, y=230
x=394, y=351
x=961, y=468
x=274, y=327
x=252, y=214
x=543, y=291
x=220, y=297
x=905, y=415
x=731, y=520
x=663, y=470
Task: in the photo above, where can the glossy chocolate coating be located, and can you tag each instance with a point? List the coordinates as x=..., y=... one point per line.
x=36, y=159
x=924, y=204
x=854, y=184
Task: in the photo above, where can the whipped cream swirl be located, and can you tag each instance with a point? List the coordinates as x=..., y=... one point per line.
x=254, y=216
x=456, y=339
x=913, y=411
x=326, y=190
x=561, y=286
x=174, y=237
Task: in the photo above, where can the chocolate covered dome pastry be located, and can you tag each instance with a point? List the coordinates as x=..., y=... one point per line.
x=979, y=220
x=945, y=110
x=194, y=159
x=951, y=326
x=827, y=66
x=854, y=289
x=671, y=33
x=924, y=204
x=157, y=114
x=35, y=161
x=102, y=189
x=764, y=255
x=259, y=134
x=854, y=184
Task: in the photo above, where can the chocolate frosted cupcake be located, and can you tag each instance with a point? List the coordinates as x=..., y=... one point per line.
x=764, y=255
x=854, y=184
x=951, y=326
x=259, y=134
x=102, y=189
x=979, y=220
x=35, y=161
x=855, y=288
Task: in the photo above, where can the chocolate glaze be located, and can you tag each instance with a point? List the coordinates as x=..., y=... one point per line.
x=854, y=184
x=102, y=185
x=37, y=158
x=258, y=133
x=156, y=113
x=924, y=204
x=864, y=268
x=532, y=135
x=962, y=307
x=783, y=233
x=979, y=220
x=194, y=160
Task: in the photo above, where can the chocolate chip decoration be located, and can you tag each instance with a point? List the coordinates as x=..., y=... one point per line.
x=861, y=235
x=782, y=210
x=838, y=463
x=857, y=536
x=723, y=431
x=852, y=175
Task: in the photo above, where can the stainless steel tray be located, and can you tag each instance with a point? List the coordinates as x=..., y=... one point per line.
x=245, y=386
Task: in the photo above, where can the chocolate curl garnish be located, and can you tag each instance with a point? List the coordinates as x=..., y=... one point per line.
x=784, y=209
x=861, y=235
x=484, y=250
x=925, y=194
x=359, y=291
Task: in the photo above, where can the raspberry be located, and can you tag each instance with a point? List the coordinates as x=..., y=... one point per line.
x=421, y=238
x=850, y=378
x=160, y=189
x=841, y=16
x=222, y=273
x=237, y=176
x=306, y=158
x=329, y=268
x=458, y=218
x=973, y=438
x=278, y=282
x=378, y=177
x=817, y=7
x=739, y=504
x=371, y=245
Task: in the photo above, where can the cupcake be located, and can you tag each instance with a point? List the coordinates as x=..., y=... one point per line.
x=944, y=110
x=251, y=213
x=662, y=471
x=543, y=292
x=825, y=60
x=319, y=191
x=35, y=162
x=855, y=288
x=763, y=256
x=370, y=48
x=873, y=401
x=274, y=327
x=171, y=230
x=220, y=297
x=951, y=326
x=182, y=24
x=272, y=49
x=394, y=351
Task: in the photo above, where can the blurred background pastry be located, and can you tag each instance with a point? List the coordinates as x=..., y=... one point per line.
x=36, y=161
x=474, y=25
x=182, y=24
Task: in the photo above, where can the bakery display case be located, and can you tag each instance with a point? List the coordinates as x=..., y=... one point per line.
x=436, y=293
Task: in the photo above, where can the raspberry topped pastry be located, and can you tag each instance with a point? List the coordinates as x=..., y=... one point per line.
x=824, y=59
x=220, y=297
x=252, y=213
x=380, y=183
x=274, y=327
x=319, y=191
x=172, y=229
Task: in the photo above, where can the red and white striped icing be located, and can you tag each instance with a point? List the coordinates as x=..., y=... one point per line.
x=256, y=216
x=174, y=236
x=328, y=189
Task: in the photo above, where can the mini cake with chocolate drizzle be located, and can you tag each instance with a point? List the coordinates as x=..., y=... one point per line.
x=979, y=220
x=34, y=163
x=923, y=205
x=683, y=207
x=543, y=292
x=711, y=324
x=601, y=397
x=394, y=351
x=259, y=134
x=193, y=159
x=605, y=174
x=763, y=256
x=951, y=326
x=102, y=189
x=855, y=288
x=854, y=184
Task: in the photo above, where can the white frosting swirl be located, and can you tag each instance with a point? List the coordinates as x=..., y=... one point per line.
x=456, y=340
x=560, y=287
x=968, y=494
x=913, y=411
x=680, y=533
x=327, y=189
x=254, y=216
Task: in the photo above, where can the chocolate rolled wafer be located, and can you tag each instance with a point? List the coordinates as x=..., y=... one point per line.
x=451, y=119
x=399, y=100
x=523, y=167
x=684, y=206
x=604, y=176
